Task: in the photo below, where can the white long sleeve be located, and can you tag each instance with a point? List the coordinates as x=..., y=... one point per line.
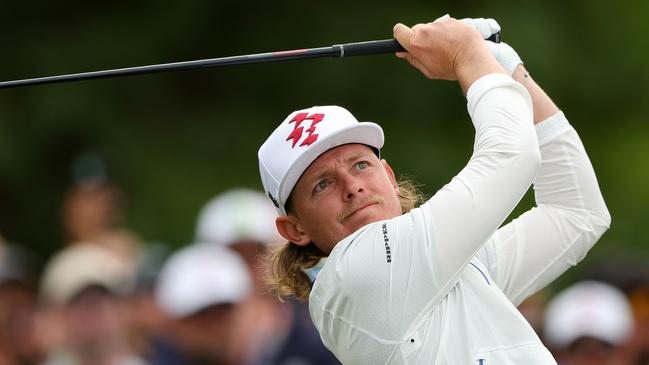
x=534, y=249
x=506, y=158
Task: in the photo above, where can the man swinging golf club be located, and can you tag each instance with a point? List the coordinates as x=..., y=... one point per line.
x=439, y=283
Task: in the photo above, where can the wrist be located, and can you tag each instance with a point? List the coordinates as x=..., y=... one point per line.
x=520, y=74
x=474, y=64
x=543, y=106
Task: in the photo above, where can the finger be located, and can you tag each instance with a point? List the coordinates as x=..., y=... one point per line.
x=493, y=25
x=467, y=21
x=403, y=35
x=486, y=27
x=411, y=60
x=443, y=18
x=483, y=27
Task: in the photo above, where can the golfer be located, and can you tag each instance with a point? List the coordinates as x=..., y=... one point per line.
x=438, y=283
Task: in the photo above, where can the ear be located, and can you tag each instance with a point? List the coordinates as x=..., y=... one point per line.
x=288, y=226
x=390, y=173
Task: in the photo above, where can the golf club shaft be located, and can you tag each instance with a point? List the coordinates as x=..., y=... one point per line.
x=342, y=50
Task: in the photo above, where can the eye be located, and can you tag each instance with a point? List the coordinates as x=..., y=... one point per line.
x=321, y=185
x=362, y=165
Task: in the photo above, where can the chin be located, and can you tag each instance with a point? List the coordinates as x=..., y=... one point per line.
x=366, y=216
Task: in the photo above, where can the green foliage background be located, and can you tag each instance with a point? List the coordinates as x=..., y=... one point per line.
x=174, y=140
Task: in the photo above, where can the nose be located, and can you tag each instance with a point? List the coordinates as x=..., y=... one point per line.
x=353, y=187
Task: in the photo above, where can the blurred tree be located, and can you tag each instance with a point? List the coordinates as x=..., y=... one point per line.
x=173, y=140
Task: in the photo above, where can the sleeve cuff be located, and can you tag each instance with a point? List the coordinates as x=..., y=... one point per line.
x=552, y=127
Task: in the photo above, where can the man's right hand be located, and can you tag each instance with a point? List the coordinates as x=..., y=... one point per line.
x=447, y=49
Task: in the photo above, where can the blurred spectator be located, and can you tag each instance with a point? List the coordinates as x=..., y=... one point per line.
x=93, y=211
x=84, y=287
x=639, y=342
x=267, y=331
x=630, y=273
x=589, y=323
x=147, y=320
x=533, y=309
x=243, y=220
x=19, y=340
x=200, y=288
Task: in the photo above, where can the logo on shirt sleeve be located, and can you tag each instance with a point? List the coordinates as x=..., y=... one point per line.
x=386, y=241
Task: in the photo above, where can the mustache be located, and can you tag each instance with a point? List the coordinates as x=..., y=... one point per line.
x=372, y=199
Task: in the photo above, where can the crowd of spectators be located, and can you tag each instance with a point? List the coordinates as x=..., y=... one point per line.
x=107, y=298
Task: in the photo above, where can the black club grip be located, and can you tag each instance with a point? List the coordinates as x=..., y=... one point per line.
x=366, y=48
x=381, y=46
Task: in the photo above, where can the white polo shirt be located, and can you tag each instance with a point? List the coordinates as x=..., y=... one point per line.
x=439, y=285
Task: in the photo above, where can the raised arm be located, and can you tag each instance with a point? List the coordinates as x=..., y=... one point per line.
x=534, y=249
x=466, y=212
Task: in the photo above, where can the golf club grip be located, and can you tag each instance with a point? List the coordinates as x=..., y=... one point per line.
x=381, y=46
x=369, y=47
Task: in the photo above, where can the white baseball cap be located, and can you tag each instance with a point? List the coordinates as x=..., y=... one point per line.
x=238, y=215
x=588, y=309
x=302, y=137
x=83, y=265
x=199, y=276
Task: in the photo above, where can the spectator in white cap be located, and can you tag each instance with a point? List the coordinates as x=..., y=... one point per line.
x=243, y=220
x=85, y=287
x=588, y=323
x=199, y=288
x=267, y=331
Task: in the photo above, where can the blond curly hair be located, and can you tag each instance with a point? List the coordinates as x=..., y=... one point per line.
x=286, y=263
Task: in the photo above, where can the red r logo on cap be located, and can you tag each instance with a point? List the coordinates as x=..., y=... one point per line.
x=296, y=133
